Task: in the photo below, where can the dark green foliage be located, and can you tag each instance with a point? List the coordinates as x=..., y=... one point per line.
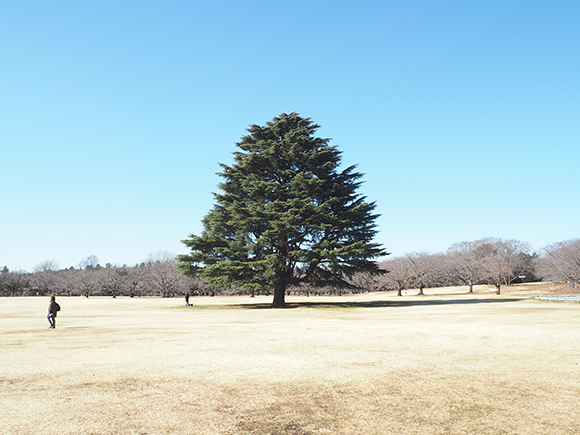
x=286, y=215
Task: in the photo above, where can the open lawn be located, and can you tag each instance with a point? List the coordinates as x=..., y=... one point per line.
x=364, y=364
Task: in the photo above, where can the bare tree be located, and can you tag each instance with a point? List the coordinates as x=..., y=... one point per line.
x=561, y=262
x=367, y=281
x=91, y=262
x=464, y=263
x=162, y=273
x=44, y=276
x=399, y=274
x=426, y=270
x=113, y=279
x=503, y=260
x=200, y=287
x=14, y=282
x=68, y=281
x=46, y=266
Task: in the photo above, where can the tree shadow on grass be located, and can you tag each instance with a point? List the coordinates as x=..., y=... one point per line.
x=373, y=304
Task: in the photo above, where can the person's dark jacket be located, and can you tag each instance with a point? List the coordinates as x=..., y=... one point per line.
x=53, y=308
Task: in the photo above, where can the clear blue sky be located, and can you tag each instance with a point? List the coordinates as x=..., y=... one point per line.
x=464, y=116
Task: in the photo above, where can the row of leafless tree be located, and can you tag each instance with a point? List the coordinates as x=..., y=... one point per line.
x=157, y=275
x=485, y=261
x=560, y=262
x=493, y=261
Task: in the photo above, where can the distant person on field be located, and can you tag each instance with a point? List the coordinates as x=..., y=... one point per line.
x=53, y=308
x=187, y=299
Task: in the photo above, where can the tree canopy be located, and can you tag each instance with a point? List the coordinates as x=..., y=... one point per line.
x=286, y=214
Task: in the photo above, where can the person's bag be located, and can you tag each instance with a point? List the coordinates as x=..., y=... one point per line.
x=57, y=307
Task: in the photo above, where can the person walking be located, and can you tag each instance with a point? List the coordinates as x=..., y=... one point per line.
x=53, y=308
x=187, y=299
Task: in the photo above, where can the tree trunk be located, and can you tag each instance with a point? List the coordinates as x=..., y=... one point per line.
x=470, y=286
x=279, y=294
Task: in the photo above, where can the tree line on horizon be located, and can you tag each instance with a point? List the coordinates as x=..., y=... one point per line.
x=491, y=261
x=156, y=276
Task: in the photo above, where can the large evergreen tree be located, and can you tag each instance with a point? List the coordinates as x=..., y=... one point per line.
x=287, y=214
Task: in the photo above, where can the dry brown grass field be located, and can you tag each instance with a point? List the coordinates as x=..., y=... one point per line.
x=444, y=363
